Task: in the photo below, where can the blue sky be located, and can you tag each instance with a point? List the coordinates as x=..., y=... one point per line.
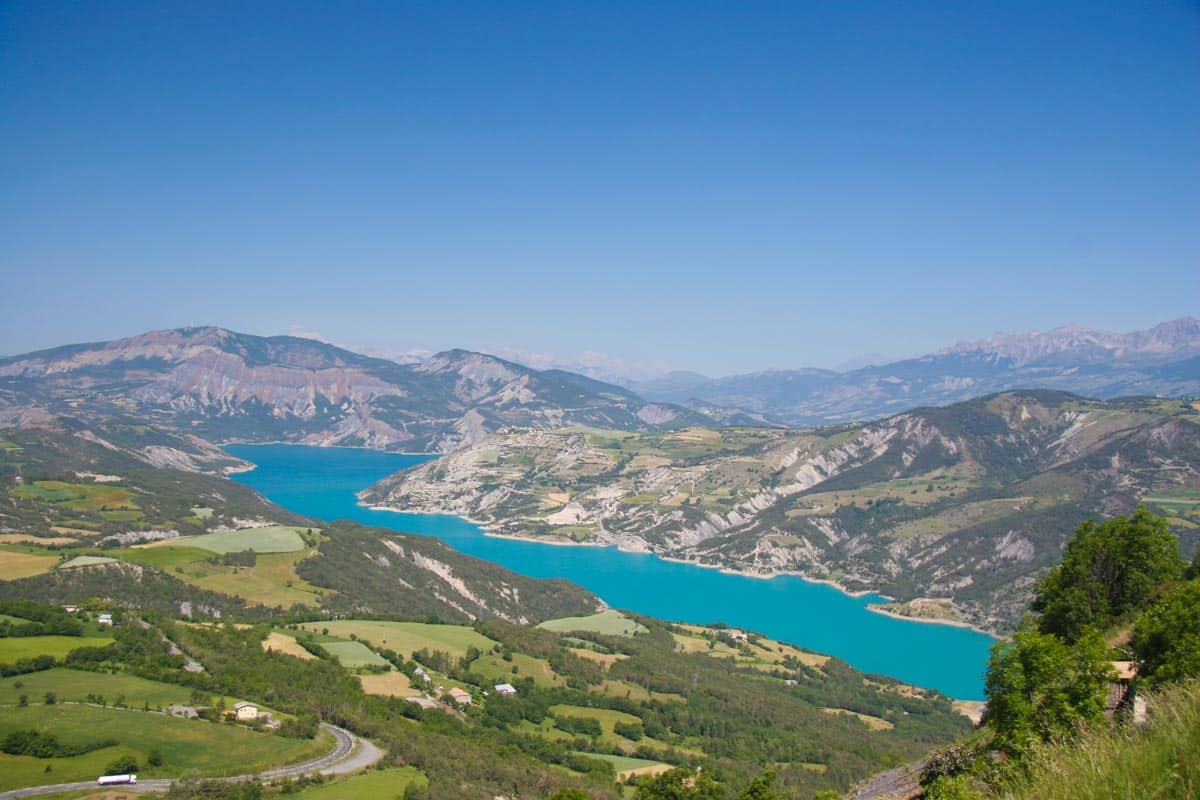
x=724, y=187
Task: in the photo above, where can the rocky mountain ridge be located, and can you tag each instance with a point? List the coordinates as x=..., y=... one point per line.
x=227, y=386
x=970, y=502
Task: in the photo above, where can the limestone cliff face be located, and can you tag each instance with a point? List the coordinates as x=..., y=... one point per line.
x=230, y=386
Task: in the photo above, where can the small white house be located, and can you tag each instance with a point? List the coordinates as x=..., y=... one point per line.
x=104, y=619
x=245, y=712
x=506, y=689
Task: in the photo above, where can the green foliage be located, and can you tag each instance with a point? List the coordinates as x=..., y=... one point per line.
x=630, y=730
x=46, y=745
x=761, y=788
x=1109, y=569
x=957, y=788
x=1038, y=686
x=680, y=783
x=122, y=766
x=571, y=794
x=1166, y=638
x=1159, y=760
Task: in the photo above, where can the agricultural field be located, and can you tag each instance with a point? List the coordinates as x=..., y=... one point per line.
x=495, y=668
x=272, y=581
x=86, y=561
x=354, y=655
x=79, y=496
x=610, y=622
x=211, y=749
x=286, y=644
x=16, y=564
x=17, y=647
x=43, y=541
x=625, y=766
x=407, y=637
x=75, y=686
x=273, y=539
x=389, y=684
x=382, y=784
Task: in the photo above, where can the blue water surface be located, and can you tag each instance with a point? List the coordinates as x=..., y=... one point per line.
x=322, y=482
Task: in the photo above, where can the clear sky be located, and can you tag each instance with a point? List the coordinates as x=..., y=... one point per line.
x=715, y=186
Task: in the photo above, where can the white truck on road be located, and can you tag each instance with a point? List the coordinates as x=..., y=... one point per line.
x=115, y=780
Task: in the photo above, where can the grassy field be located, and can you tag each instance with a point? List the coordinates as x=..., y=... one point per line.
x=86, y=561
x=287, y=644
x=1159, y=760
x=272, y=581
x=389, y=684
x=275, y=539
x=43, y=541
x=75, y=685
x=354, y=655
x=212, y=749
x=13, y=648
x=625, y=766
x=384, y=784
x=495, y=668
x=407, y=637
x=164, y=558
x=606, y=716
x=79, y=496
x=18, y=564
x=610, y=622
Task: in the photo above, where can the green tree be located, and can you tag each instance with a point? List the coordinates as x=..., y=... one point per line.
x=680, y=783
x=1166, y=638
x=1038, y=686
x=761, y=788
x=1108, y=569
x=571, y=794
x=947, y=788
x=122, y=766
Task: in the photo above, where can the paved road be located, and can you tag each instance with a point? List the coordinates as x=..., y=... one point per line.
x=342, y=759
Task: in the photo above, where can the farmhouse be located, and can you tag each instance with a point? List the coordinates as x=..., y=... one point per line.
x=459, y=696
x=423, y=702
x=104, y=619
x=506, y=689
x=244, y=712
x=183, y=712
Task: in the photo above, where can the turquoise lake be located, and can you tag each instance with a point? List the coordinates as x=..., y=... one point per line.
x=322, y=482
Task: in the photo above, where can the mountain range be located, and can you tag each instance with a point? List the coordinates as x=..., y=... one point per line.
x=227, y=386
x=1163, y=361
x=969, y=502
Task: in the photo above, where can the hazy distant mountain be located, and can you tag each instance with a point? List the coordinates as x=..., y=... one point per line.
x=1164, y=361
x=230, y=386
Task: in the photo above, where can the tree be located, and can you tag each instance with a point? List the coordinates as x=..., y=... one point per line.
x=680, y=783
x=1166, y=639
x=124, y=765
x=1038, y=686
x=1108, y=569
x=571, y=794
x=761, y=788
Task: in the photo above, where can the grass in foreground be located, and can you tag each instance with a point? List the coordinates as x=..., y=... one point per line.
x=1161, y=761
x=211, y=748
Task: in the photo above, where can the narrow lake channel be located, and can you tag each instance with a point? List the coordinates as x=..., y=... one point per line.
x=322, y=482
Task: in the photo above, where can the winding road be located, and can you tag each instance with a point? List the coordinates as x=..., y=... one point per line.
x=350, y=753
